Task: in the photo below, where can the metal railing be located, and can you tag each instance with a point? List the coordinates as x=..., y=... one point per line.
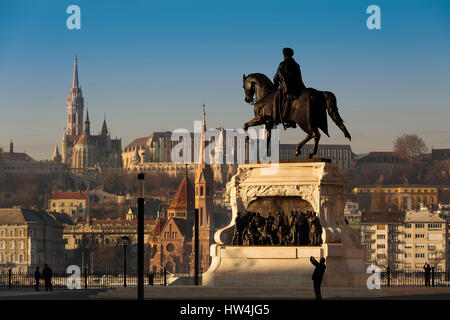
x=96, y=280
x=414, y=278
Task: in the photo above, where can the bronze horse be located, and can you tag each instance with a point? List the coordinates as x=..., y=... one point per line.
x=308, y=111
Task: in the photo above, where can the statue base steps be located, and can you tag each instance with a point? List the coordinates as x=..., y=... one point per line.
x=273, y=266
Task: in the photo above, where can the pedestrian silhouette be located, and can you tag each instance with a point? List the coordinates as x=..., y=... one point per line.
x=427, y=274
x=317, y=275
x=37, y=277
x=47, y=275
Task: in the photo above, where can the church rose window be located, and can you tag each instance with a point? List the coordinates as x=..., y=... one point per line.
x=170, y=247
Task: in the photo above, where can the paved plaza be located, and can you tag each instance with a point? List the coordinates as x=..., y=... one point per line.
x=206, y=293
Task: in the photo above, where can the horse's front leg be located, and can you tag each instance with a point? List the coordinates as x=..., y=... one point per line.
x=269, y=136
x=252, y=123
x=316, y=135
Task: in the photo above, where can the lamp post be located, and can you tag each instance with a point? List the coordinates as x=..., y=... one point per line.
x=196, y=246
x=125, y=241
x=140, y=237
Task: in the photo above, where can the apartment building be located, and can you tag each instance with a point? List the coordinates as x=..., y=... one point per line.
x=404, y=241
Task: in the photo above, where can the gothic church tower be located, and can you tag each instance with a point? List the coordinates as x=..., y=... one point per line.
x=75, y=105
x=204, y=196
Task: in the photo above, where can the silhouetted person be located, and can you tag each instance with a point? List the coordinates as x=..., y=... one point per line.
x=427, y=275
x=47, y=275
x=37, y=278
x=318, y=275
x=151, y=279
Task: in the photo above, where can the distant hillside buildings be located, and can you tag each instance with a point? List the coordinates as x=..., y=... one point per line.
x=341, y=155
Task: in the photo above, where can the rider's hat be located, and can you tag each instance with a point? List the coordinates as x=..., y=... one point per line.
x=288, y=52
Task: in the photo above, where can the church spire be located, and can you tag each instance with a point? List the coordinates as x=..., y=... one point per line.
x=56, y=156
x=87, y=123
x=104, y=131
x=201, y=159
x=75, y=73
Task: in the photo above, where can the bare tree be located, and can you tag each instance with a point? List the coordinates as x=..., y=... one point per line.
x=410, y=146
x=436, y=257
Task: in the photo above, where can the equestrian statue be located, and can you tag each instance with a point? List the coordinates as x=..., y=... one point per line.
x=289, y=102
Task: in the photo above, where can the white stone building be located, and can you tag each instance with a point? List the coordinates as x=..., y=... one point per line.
x=29, y=239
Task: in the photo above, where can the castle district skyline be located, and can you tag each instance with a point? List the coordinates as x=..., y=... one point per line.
x=387, y=82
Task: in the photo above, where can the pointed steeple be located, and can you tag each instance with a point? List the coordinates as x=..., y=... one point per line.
x=56, y=156
x=11, y=147
x=104, y=131
x=201, y=159
x=75, y=73
x=203, y=169
x=87, y=123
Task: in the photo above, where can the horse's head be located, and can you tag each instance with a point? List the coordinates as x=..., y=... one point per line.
x=256, y=85
x=249, y=88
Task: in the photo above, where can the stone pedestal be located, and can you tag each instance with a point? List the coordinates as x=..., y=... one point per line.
x=310, y=184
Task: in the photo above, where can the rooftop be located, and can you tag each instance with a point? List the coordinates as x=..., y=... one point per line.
x=382, y=217
x=69, y=195
x=422, y=215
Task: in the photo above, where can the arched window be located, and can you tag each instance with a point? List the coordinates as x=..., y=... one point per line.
x=11, y=244
x=201, y=191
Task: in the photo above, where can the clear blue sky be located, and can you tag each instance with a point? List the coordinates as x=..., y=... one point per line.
x=149, y=65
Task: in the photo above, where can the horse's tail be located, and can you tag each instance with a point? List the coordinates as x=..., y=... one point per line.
x=334, y=113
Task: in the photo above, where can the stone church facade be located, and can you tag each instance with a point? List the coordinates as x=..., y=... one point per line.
x=82, y=151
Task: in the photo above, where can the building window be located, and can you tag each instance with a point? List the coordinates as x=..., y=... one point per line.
x=11, y=233
x=408, y=226
x=201, y=216
x=21, y=244
x=407, y=255
x=381, y=246
x=420, y=246
x=420, y=236
x=20, y=233
x=381, y=236
x=2, y=233
x=407, y=235
x=420, y=225
x=2, y=244
x=11, y=244
x=434, y=226
x=420, y=255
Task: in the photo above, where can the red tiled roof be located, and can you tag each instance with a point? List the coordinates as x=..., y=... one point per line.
x=17, y=156
x=69, y=195
x=159, y=225
x=184, y=198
